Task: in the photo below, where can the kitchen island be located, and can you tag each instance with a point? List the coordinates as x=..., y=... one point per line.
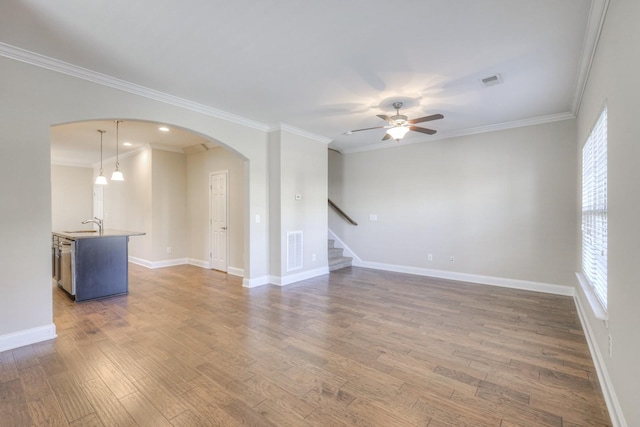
x=90, y=264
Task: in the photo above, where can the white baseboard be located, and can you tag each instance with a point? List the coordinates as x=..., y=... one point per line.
x=235, y=271
x=158, y=264
x=199, y=263
x=255, y=282
x=526, y=285
x=26, y=337
x=140, y=261
x=309, y=274
x=610, y=398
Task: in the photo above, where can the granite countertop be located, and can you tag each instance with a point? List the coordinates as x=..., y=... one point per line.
x=91, y=234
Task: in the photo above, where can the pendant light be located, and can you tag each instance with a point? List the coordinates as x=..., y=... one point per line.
x=101, y=180
x=117, y=175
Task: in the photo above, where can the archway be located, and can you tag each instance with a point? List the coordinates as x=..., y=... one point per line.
x=164, y=193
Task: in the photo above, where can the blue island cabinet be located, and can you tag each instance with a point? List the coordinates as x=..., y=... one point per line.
x=90, y=264
x=101, y=267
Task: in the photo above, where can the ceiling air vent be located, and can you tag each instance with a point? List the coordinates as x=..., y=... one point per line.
x=496, y=79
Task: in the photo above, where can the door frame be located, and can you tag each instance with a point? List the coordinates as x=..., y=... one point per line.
x=210, y=237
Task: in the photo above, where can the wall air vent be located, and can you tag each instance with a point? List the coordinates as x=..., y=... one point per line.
x=294, y=250
x=496, y=79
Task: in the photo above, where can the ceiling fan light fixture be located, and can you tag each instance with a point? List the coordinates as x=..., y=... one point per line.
x=398, y=125
x=398, y=132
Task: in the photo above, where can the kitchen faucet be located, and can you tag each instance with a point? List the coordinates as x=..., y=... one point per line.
x=95, y=220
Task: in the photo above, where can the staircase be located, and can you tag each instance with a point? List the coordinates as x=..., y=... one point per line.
x=336, y=259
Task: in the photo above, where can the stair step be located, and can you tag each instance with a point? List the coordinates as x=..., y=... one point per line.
x=338, y=263
x=335, y=252
x=336, y=259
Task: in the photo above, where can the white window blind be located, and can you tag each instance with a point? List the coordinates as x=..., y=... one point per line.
x=594, y=208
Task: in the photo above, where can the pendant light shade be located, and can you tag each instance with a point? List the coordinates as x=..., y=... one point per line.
x=117, y=175
x=101, y=180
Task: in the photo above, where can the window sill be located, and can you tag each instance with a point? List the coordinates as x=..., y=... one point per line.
x=596, y=307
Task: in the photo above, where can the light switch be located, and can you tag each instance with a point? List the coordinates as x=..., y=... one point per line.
x=373, y=217
x=257, y=218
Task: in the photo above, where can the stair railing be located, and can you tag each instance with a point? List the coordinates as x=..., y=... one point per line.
x=342, y=213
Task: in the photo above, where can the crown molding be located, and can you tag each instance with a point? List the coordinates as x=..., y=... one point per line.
x=471, y=131
x=509, y=125
x=597, y=14
x=166, y=148
x=122, y=156
x=52, y=64
x=143, y=147
x=71, y=163
x=300, y=132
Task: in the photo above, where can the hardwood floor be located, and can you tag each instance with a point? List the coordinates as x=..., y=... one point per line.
x=191, y=347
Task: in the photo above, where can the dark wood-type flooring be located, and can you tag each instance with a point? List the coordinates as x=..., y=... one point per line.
x=191, y=347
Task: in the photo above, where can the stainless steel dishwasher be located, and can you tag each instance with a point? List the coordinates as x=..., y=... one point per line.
x=55, y=258
x=66, y=266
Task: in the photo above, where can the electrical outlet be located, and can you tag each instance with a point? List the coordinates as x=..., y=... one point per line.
x=451, y=259
x=610, y=346
x=313, y=257
x=430, y=257
x=168, y=249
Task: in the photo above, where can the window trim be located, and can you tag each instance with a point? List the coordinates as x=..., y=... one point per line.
x=598, y=207
x=592, y=298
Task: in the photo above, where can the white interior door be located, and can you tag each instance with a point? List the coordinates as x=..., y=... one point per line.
x=218, y=199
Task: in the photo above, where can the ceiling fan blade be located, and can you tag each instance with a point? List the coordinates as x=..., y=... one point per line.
x=360, y=130
x=427, y=119
x=385, y=118
x=386, y=136
x=422, y=130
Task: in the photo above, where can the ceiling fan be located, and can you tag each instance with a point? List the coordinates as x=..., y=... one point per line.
x=399, y=124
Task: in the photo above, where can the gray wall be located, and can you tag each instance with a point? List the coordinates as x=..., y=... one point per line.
x=614, y=79
x=34, y=99
x=298, y=166
x=169, y=205
x=128, y=204
x=199, y=166
x=71, y=197
x=501, y=203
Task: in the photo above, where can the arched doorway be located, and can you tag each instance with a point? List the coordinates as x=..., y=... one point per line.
x=165, y=192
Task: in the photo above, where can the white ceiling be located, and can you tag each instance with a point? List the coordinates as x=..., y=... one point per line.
x=329, y=66
x=78, y=144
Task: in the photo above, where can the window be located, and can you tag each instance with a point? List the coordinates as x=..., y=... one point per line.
x=594, y=209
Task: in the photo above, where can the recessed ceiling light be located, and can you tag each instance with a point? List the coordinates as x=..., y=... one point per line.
x=163, y=129
x=126, y=144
